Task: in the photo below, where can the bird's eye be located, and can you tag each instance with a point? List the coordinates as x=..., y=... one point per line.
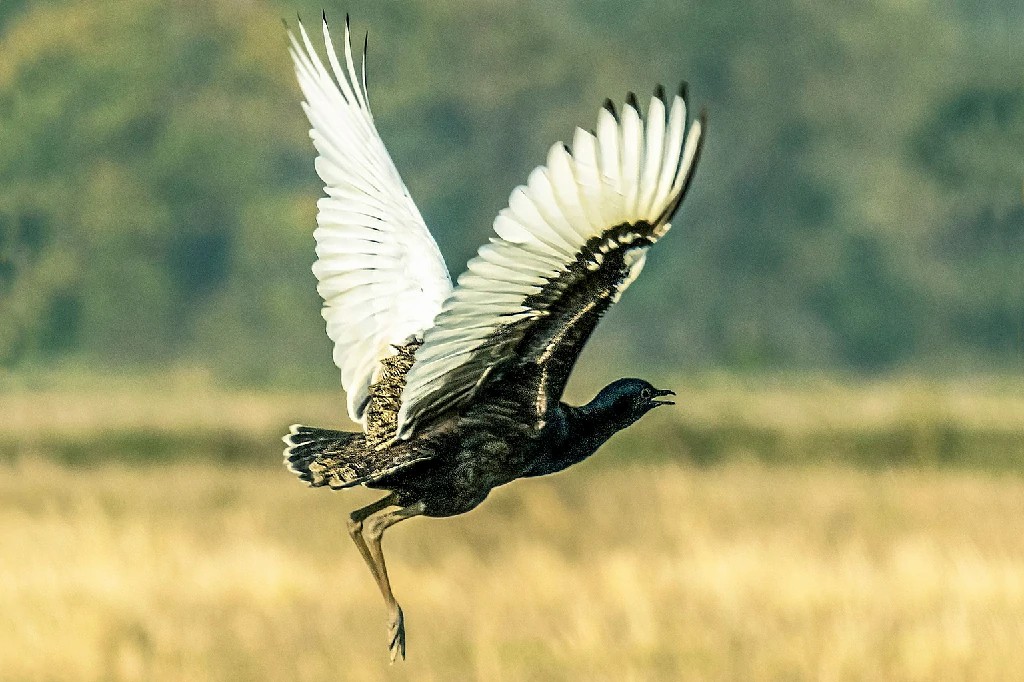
x=646, y=394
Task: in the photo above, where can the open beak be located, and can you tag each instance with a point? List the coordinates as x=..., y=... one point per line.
x=658, y=394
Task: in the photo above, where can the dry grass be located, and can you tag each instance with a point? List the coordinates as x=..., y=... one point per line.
x=193, y=572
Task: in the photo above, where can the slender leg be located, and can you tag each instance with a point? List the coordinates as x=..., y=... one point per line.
x=355, y=528
x=375, y=528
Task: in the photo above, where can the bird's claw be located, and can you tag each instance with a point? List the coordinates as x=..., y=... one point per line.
x=396, y=630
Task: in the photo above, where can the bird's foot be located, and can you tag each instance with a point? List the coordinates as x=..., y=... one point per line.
x=396, y=631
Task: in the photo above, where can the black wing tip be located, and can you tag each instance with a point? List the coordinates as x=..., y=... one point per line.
x=323, y=15
x=631, y=101
x=684, y=90
x=634, y=103
x=609, y=106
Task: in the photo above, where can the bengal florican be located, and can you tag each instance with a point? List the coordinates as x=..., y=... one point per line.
x=458, y=390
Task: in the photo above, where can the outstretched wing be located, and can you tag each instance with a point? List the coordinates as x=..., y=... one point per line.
x=568, y=245
x=379, y=272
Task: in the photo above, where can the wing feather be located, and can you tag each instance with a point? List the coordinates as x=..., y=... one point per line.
x=570, y=242
x=378, y=269
x=631, y=148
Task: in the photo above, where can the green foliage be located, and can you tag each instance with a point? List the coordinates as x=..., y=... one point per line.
x=859, y=205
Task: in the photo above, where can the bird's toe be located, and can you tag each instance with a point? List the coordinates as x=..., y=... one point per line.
x=396, y=631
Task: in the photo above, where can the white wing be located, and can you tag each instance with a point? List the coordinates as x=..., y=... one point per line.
x=569, y=243
x=379, y=272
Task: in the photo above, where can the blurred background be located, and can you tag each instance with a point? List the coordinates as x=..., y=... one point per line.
x=859, y=207
x=840, y=305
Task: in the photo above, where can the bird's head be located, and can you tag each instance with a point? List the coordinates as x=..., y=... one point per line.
x=624, y=401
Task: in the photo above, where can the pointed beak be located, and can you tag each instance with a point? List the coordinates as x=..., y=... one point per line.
x=658, y=394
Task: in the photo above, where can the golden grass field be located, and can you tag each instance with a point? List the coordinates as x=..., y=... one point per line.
x=618, y=569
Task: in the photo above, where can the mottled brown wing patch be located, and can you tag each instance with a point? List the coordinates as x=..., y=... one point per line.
x=386, y=395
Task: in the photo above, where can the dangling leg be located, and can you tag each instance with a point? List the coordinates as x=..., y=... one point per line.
x=375, y=528
x=355, y=527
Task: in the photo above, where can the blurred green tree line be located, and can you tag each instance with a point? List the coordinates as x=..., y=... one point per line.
x=859, y=204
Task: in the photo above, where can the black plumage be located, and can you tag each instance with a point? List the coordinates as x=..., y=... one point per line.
x=459, y=390
x=452, y=465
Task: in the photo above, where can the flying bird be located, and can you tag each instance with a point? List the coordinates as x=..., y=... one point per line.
x=458, y=389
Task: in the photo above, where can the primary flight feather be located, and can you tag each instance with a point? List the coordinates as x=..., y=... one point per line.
x=378, y=269
x=458, y=390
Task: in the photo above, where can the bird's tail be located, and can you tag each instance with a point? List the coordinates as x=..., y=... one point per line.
x=325, y=457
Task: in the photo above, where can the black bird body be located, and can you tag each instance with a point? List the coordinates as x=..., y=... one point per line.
x=516, y=425
x=486, y=446
x=459, y=388
x=491, y=445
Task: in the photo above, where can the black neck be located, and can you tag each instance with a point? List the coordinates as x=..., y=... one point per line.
x=590, y=425
x=575, y=433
